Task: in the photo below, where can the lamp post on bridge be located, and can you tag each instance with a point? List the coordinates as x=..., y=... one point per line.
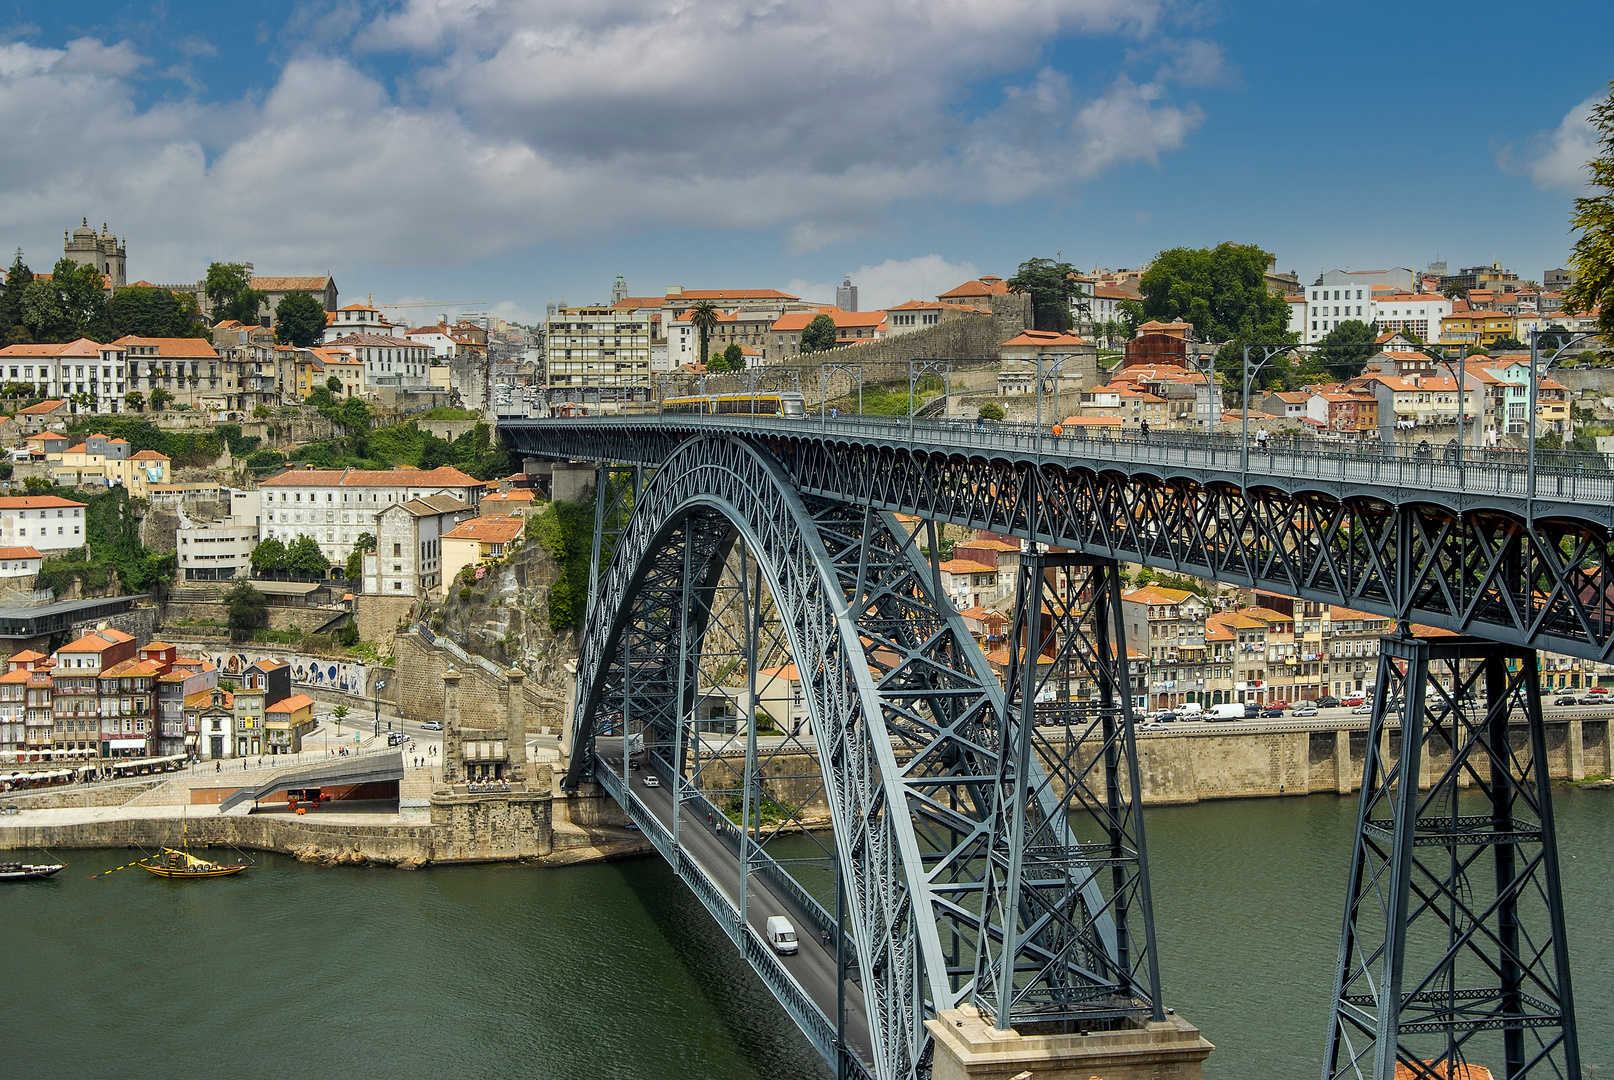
x=1269, y=353
x=380, y=684
x=824, y=370
x=917, y=369
x=1567, y=339
x=1058, y=368
x=1459, y=375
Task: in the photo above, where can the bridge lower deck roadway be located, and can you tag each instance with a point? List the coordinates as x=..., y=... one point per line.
x=813, y=964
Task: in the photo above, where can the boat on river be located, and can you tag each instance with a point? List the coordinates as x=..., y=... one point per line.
x=173, y=863
x=16, y=871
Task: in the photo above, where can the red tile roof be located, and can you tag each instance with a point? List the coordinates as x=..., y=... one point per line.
x=42, y=408
x=443, y=476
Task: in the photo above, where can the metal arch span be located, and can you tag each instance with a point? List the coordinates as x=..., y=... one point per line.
x=906, y=716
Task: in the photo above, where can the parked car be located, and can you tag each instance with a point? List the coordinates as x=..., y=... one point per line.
x=432, y=725
x=1166, y=718
x=1595, y=689
x=396, y=738
x=1305, y=710
x=1362, y=710
x=1193, y=710
x=1227, y=710
x=1278, y=705
x=1566, y=700
x=1273, y=713
x=1352, y=701
x=1251, y=710
x=1329, y=701
x=1587, y=699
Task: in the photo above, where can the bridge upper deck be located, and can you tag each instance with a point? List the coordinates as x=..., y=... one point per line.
x=1575, y=486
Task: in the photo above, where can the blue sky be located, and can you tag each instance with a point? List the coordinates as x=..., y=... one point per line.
x=516, y=153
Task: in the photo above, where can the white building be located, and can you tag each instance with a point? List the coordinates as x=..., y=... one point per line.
x=598, y=348
x=1411, y=313
x=42, y=522
x=92, y=376
x=19, y=561
x=388, y=361
x=408, y=560
x=336, y=506
x=356, y=319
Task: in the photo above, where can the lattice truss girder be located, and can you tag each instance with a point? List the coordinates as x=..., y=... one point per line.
x=1453, y=946
x=1476, y=571
x=906, y=717
x=1068, y=923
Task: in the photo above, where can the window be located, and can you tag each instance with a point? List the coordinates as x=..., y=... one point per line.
x=397, y=550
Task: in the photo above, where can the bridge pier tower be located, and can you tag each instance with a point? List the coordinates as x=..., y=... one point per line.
x=1453, y=948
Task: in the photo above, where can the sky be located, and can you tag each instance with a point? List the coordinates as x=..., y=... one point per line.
x=503, y=154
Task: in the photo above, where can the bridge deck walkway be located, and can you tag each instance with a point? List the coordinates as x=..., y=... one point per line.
x=813, y=965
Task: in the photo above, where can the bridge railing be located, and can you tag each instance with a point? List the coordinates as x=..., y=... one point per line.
x=1564, y=476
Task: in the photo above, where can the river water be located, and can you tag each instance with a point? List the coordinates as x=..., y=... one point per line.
x=616, y=971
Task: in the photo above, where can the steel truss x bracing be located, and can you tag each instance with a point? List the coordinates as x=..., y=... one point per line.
x=1472, y=570
x=1068, y=924
x=907, y=722
x=1453, y=947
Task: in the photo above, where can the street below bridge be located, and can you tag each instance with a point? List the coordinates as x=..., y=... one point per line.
x=813, y=964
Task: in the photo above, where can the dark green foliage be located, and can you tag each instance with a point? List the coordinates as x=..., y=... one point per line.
x=268, y=556
x=1593, y=258
x=303, y=556
x=299, y=320
x=347, y=634
x=17, y=280
x=248, y=608
x=68, y=305
x=991, y=410
x=730, y=359
x=240, y=445
x=264, y=462
x=1050, y=287
x=818, y=335
x=354, y=569
x=703, y=317
x=148, y=312
x=1343, y=351
x=1509, y=344
x=160, y=397
x=566, y=531
x=230, y=294
x=474, y=453
x=1221, y=290
x=189, y=448
x=113, y=533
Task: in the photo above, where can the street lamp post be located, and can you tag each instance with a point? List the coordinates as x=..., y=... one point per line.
x=824, y=370
x=1269, y=353
x=1058, y=368
x=380, y=684
x=1459, y=375
x=917, y=369
x=1530, y=408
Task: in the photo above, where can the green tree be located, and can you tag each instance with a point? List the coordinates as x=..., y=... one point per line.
x=1454, y=291
x=1132, y=316
x=160, y=397
x=354, y=569
x=134, y=401
x=304, y=556
x=1343, y=351
x=248, y=610
x=299, y=320
x=1593, y=257
x=151, y=312
x=340, y=712
x=730, y=359
x=230, y=294
x=703, y=317
x=990, y=410
x=818, y=335
x=69, y=304
x=18, y=279
x=268, y=556
x=1221, y=290
x=1508, y=344
x=1051, y=287
x=334, y=385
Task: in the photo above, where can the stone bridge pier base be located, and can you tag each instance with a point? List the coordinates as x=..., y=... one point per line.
x=968, y=1047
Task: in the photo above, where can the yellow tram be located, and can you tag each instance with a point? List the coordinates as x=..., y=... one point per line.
x=787, y=404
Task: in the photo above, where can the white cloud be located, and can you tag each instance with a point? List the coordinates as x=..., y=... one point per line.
x=533, y=121
x=892, y=282
x=1556, y=160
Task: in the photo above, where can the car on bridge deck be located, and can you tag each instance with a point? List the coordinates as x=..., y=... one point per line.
x=781, y=935
x=651, y=780
x=1305, y=708
x=1353, y=701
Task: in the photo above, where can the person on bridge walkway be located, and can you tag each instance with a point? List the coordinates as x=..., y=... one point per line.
x=1261, y=438
x=1143, y=426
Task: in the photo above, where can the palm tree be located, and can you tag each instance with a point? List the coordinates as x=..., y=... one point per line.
x=703, y=317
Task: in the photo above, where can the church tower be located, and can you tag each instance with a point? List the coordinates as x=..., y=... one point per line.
x=102, y=251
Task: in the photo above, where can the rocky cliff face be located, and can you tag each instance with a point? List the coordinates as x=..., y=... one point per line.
x=505, y=617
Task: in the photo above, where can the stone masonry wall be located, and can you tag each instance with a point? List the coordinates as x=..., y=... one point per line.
x=420, y=686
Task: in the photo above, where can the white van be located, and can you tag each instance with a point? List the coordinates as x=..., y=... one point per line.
x=1227, y=711
x=781, y=935
x=1192, y=710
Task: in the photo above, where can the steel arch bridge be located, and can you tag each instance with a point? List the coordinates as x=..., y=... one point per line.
x=907, y=720
x=979, y=858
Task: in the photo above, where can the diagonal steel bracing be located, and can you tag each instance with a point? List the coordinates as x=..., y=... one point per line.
x=907, y=724
x=1453, y=947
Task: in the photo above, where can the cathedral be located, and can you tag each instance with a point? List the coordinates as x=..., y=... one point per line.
x=101, y=251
